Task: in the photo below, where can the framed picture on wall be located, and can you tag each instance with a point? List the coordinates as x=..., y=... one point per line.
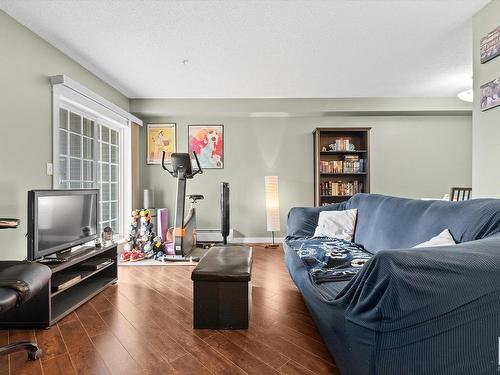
x=160, y=137
x=208, y=143
x=490, y=45
x=490, y=94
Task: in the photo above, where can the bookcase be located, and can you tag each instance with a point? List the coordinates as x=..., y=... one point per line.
x=341, y=164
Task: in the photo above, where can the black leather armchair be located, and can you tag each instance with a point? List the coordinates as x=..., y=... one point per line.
x=19, y=281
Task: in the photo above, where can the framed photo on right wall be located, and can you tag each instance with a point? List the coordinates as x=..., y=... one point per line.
x=490, y=94
x=490, y=45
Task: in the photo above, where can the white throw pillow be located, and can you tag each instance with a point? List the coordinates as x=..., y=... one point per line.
x=442, y=239
x=336, y=224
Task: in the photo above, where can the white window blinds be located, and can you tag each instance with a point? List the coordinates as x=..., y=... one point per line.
x=91, y=150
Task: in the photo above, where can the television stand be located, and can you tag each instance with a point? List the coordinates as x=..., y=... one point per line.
x=76, y=252
x=77, y=280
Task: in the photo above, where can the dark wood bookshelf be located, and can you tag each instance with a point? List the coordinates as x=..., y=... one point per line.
x=343, y=152
x=343, y=173
x=335, y=196
x=359, y=138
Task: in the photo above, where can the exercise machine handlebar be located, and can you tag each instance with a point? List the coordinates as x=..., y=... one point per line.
x=200, y=171
x=171, y=173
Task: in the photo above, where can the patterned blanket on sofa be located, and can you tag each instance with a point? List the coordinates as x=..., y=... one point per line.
x=330, y=259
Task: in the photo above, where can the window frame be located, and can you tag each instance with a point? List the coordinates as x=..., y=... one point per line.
x=73, y=101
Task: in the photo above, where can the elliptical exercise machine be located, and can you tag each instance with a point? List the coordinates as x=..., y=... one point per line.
x=184, y=232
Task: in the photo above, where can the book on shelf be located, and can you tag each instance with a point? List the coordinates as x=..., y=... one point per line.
x=350, y=164
x=340, y=188
x=341, y=144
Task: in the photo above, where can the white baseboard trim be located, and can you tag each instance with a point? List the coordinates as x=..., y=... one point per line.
x=257, y=239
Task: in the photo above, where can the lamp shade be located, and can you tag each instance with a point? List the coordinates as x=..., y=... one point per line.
x=272, y=203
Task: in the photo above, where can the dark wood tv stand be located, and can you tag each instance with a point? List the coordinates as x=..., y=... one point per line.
x=49, y=306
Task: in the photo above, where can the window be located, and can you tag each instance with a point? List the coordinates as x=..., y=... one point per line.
x=89, y=152
x=89, y=158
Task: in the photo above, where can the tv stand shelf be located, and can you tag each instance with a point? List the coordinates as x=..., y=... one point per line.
x=84, y=276
x=50, y=306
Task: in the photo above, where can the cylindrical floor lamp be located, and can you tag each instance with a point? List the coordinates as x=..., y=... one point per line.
x=272, y=206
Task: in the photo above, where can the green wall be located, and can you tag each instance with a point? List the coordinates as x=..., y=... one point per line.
x=420, y=147
x=486, y=125
x=416, y=150
x=26, y=62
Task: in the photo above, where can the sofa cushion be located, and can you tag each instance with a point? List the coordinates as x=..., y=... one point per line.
x=302, y=221
x=442, y=239
x=336, y=224
x=391, y=223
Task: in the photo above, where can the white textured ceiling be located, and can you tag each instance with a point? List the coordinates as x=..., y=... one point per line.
x=259, y=49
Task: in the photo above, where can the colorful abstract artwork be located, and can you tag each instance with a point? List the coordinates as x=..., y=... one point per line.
x=208, y=143
x=160, y=137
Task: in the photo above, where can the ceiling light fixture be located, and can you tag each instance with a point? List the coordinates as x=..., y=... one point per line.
x=466, y=96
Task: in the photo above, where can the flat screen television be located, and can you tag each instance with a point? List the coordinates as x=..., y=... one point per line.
x=61, y=219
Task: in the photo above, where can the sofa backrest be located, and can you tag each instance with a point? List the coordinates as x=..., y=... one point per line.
x=391, y=223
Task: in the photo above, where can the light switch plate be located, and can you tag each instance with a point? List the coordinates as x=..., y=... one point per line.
x=50, y=169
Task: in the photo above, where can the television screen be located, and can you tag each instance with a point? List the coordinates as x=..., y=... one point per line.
x=60, y=219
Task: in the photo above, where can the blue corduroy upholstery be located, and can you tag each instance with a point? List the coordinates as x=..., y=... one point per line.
x=410, y=311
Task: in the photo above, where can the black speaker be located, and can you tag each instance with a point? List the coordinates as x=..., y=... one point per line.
x=224, y=210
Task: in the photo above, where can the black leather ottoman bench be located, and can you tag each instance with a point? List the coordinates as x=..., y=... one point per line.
x=222, y=292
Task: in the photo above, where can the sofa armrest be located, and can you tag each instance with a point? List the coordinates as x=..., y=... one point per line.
x=26, y=278
x=406, y=287
x=302, y=221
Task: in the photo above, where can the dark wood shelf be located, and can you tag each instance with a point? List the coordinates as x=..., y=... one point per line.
x=343, y=152
x=47, y=308
x=65, y=303
x=343, y=182
x=335, y=196
x=344, y=174
x=84, y=276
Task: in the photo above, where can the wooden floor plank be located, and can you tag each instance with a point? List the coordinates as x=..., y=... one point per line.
x=263, y=352
x=143, y=325
x=189, y=365
x=71, y=317
x=292, y=351
x=91, y=320
x=114, y=355
x=51, y=341
x=138, y=346
x=89, y=363
x=60, y=365
x=75, y=337
x=243, y=359
x=4, y=359
x=19, y=362
x=293, y=368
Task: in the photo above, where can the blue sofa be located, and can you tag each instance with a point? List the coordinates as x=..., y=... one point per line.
x=409, y=310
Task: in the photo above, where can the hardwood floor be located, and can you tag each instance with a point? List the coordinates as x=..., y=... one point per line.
x=143, y=326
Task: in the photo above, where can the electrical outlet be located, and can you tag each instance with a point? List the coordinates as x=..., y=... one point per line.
x=50, y=169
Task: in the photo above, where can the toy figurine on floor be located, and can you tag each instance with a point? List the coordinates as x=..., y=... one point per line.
x=146, y=234
x=158, y=248
x=130, y=252
x=139, y=244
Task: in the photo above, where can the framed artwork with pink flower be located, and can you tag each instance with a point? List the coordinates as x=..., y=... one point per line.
x=208, y=143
